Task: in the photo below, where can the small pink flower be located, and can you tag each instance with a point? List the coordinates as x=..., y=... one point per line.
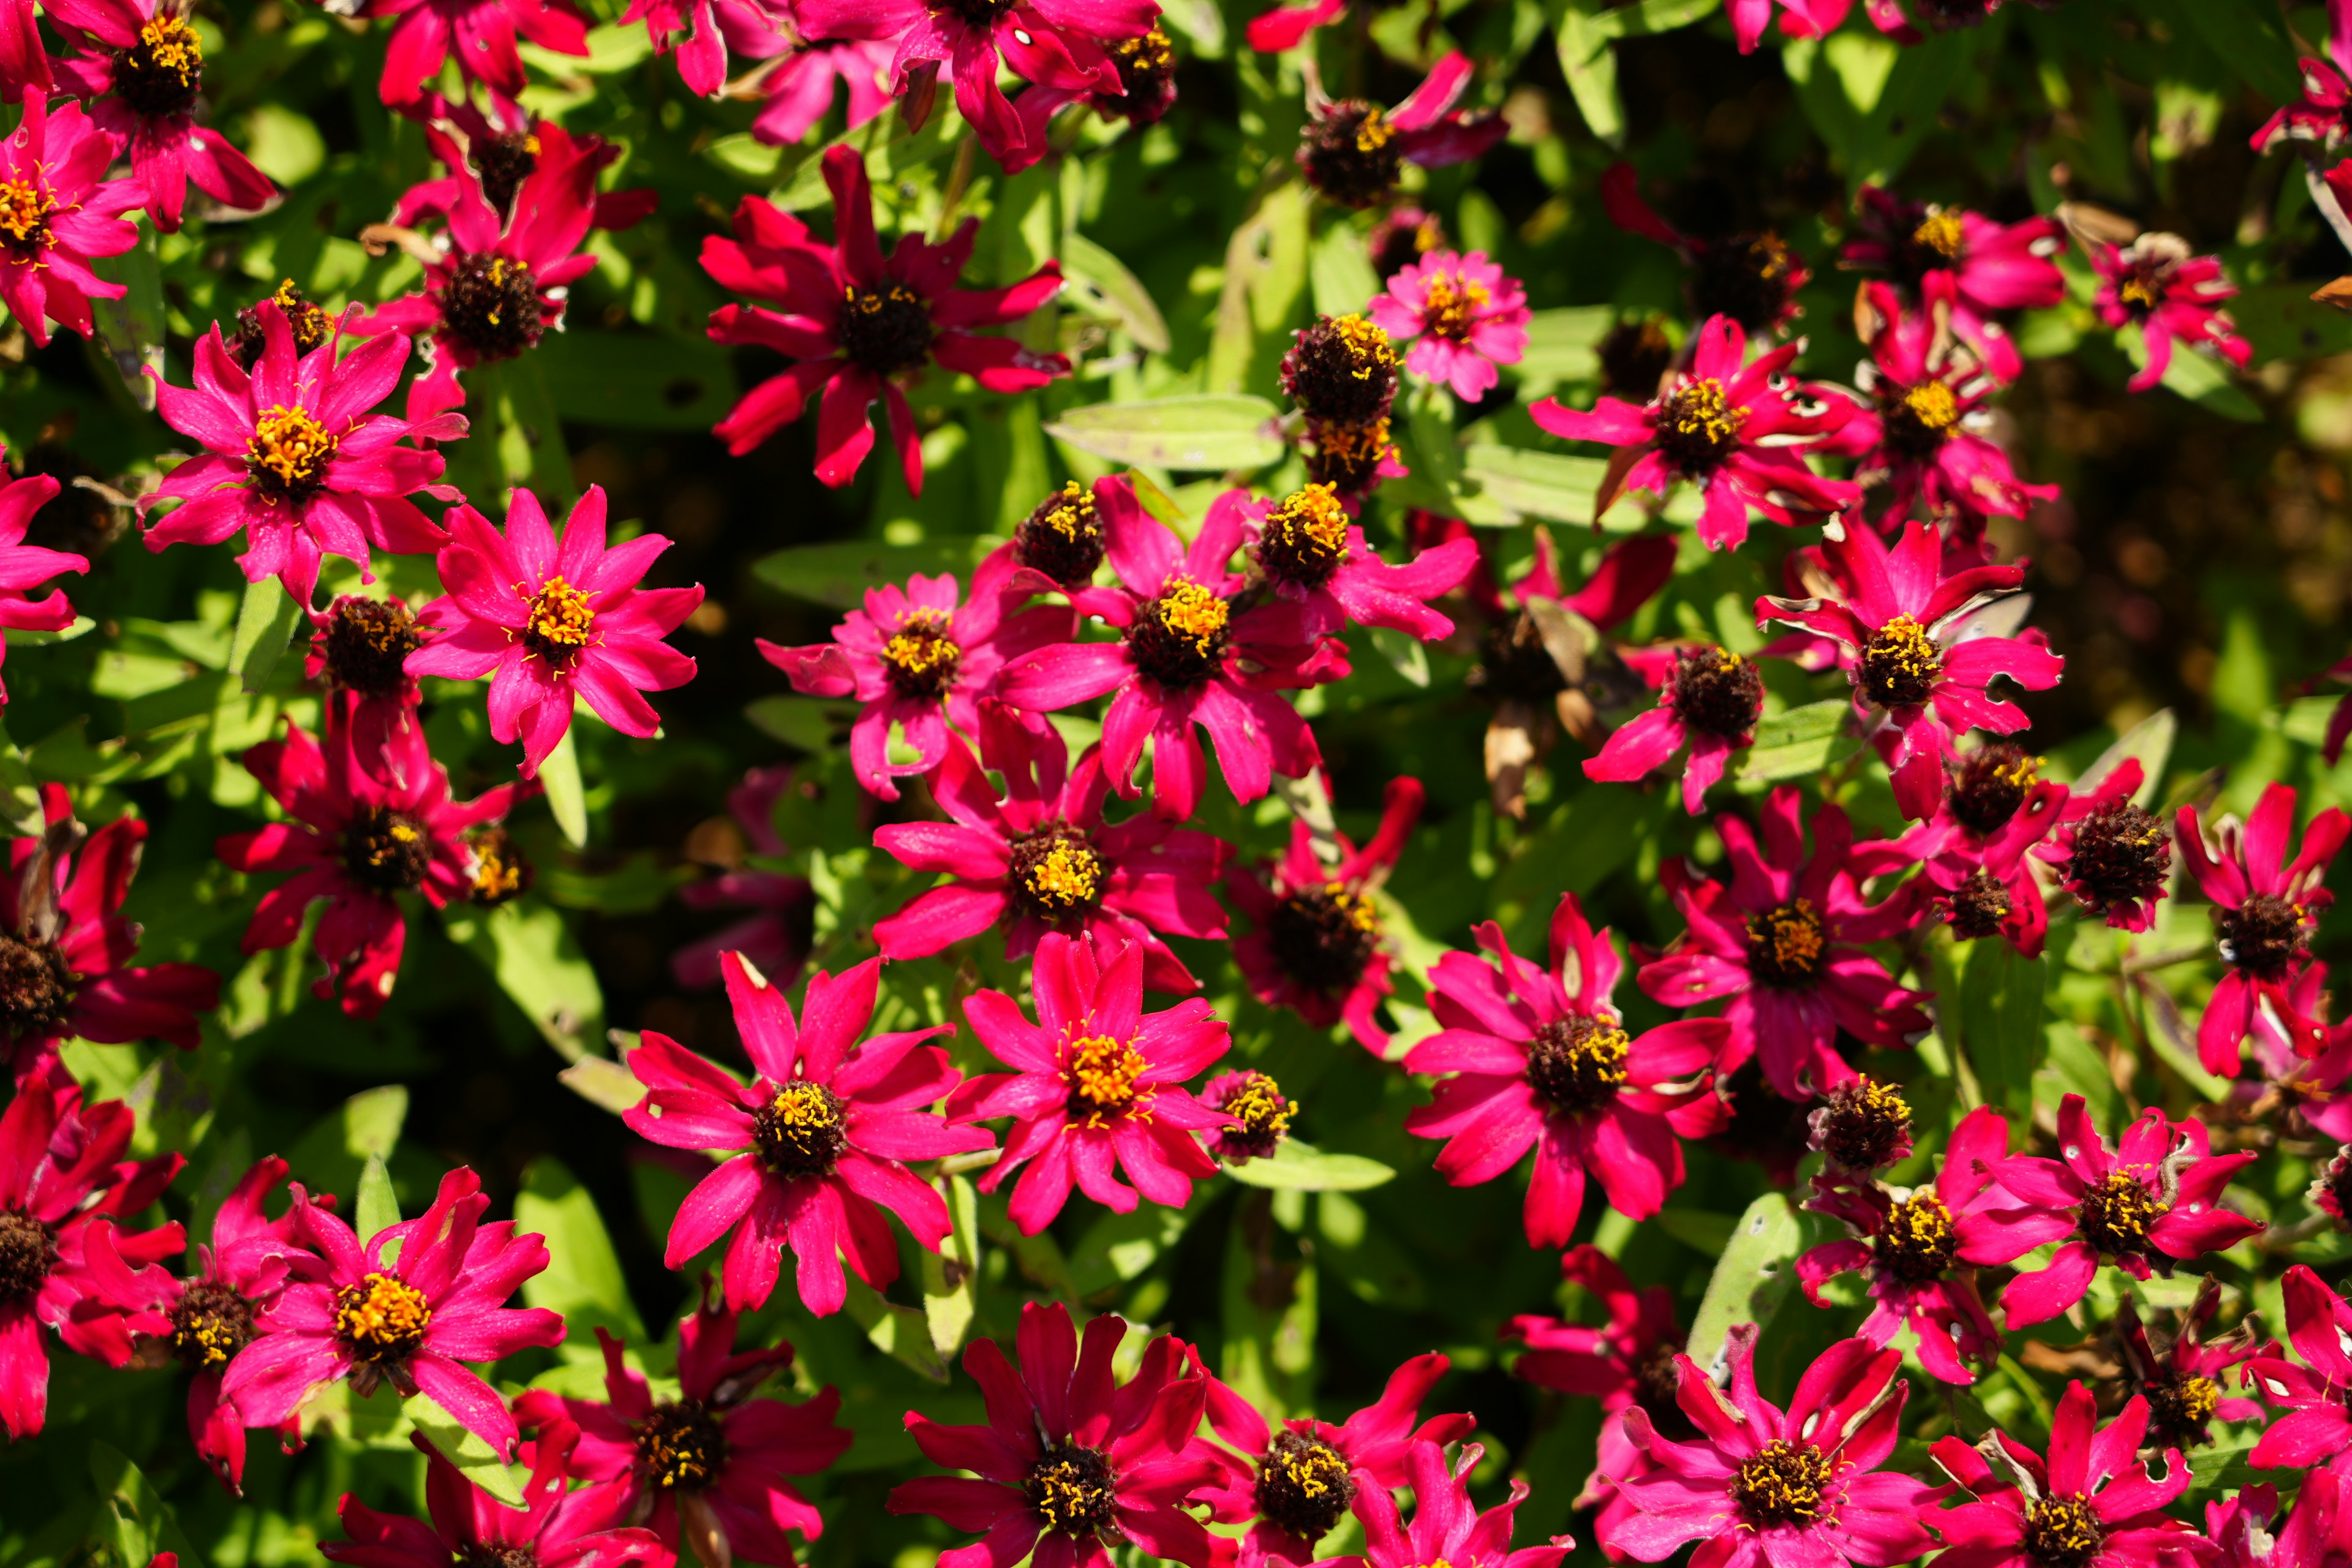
x=1040, y=858
x=1709, y=698
x=2182, y=1381
x=798, y=87
x=1903, y=623
x=2112, y=856
x=1097, y=1085
x=1782, y=940
x=773, y=939
x=1463, y=315
x=1317, y=945
x=1757, y=1485
x=359, y=647
x=1315, y=556
x=1973, y=849
x=1799, y=19
x=479, y=34
x=1292, y=1487
x=2171, y=295
x=2324, y=114
x=1447, y=1525
x=492, y=150
x=2316, y=1432
x=61, y=217
x=919, y=658
x=1070, y=1458
x=555, y=1528
x=710, y=1464
x=2265, y=909
x=2155, y=1195
x=1542, y=1060
x=816, y=1142
x=349, y=1314
x=294, y=460
x=1738, y=430
x=25, y=567
x=712, y=28
x=1993, y=267
x=1352, y=151
x=549, y=621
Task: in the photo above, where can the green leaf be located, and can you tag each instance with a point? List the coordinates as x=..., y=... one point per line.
x=951, y=1276
x=529, y=946
x=2001, y=1021
x=1799, y=743
x=567, y=798
x=2149, y=741
x=582, y=1278
x=526, y=429
x=1298, y=1166
x=1340, y=272
x=1751, y=1280
x=838, y=575
x=1119, y=1247
x=1698, y=1229
x=137, y=1522
x=889, y=150
x=1219, y=433
x=1582, y=40
x=903, y=1333
x=374, y=1209
x=2249, y=41
x=1089, y=264
x=265, y=620
x=2202, y=379
x=132, y=326
x=1517, y=483
x=474, y=1459
x=20, y=796
x=333, y=1151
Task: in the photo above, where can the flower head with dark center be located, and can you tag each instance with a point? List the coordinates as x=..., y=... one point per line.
x=1918, y=420
x=1864, y=1125
x=1635, y=357
x=1261, y=1115
x=1303, y=1484
x=2180, y=1409
x=2159, y=288
x=1750, y=277
x=2121, y=856
x=1349, y=153
x=365, y=645
x=2264, y=935
x=310, y=324
x=1785, y=945
x=1989, y=783
x=502, y=872
x=1304, y=539
x=2063, y=1531
x=1463, y=316
x=503, y=160
x=288, y=455
x=1784, y=1484
x=921, y=657
x=211, y=1322
x=1699, y=428
x=680, y=1445
x=381, y=1319
x=1979, y=907
x=28, y=1251
x=1054, y=873
x=2117, y=1212
x=1061, y=537
x=1900, y=665
x=1322, y=936
x=1178, y=637
x=59, y=212
x=1709, y=698
x=1341, y=368
x=490, y=303
x=1147, y=78
x=1351, y=457
x=1074, y=1491
x=163, y=73
x=886, y=329
x=799, y=1131
x=2088, y=1500
x=387, y=851
x=1578, y=1063
x=2266, y=907
x=37, y=988
x=1918, y=1242
x=1716, y=693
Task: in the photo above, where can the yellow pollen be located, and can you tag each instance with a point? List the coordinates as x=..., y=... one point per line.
x=173, y=47
x=1369, y=351
x=1882, y=1100
x=1374, y=133
x=1072, y=512
x=1259, y=1107
x=1355, y=906
x=1703, y=413
x=1450, y=304
x=1101, y=1074
x=1190, y=611
x=1790, y=936
x=1941, y=232
x=290, y=445
x=559, y=614
x=1784, y=1484
x=805, y=1107
x=1920, y=1224
x=25, y=210
x=1355, y=447
x=381, y=1313
x=922, y=645
x=1068, y=875
x=2137, y=291
x=1931, y=403
x=218, y=1341
x=1311, y=523
x=496, y=877
x=1900, y=663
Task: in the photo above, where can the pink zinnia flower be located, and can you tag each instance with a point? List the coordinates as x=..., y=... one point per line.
x=1757, y=1486
x=1071, y=1463
x=60, y=1178
x=712, y=28
x=2091, y=1501
x=2265, y=909
x=359, y=842
x=919, y=658
x=144, y=66
x=816, y=1142
x=858, y=326
x=1782, y=940
x=1738, y=431
x=1993, y=267
x=24, y=567
x=492, y=150
x=1752, y=278
x=360, y=645
x=2112, y=856
x=1972, y=850
x=2316, y=1432
x=1903, y=621
x=2156, y=285
x=351, y=1314
x=1447, y=1525
x=293, y=459
x=710, y=1464
x=2324, y=114
x=59, y=216
x=774, y=938
x=549, y=621
x=1352, y=152
x=798, y=87
x=66, y=946
x=1098, y=1087
x=1187, y=653
x=479, y=34
x=1316, y=556
x=555, y=1528
x=1463, y=315
x=1039, y=858
x=1292, y=1487
x=1799, y=19
x=1920, y=1251
x=1542, y=1062
x=1709, y=698
x=2182, y=1381
x=1316, y=945
x=1142, y=91
x=2153, y=1196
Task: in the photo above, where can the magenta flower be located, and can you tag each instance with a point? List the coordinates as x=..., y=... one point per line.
x=712, y=28
x=1316, y=556
x=1040, y=858
x=818, y=1139
x=1903, y=624
x=1753, y=278
x=351, y=1314
x=2171, y=295
x=549, y=622
x=23, y=62
x=1709, y=698
x=1287, y=27
x=1993, y=267
x=60, y=215
x=61, y=1180
x=773, y=939
x=1187, y=653
x=1781, y=940
x=2264, y=910
x=2317, y=1430
x=1141, y=92
x=493, y=152
x=919, y=658
x=1799, y=1486
x=1738, y=432
x=1447, y=1526
x=857, y=326
x=293, y=459
x=1973, y=849
x=1799, y=19
x=1293, y=1486
x=1352, y=152
x=1316, y=945
x=144, y=66
x=710, y=1464
x=360, y=645
x=1542, y=1062
x=2324, y=114
x=2155, y=1196
x=1097, y=1085
x=2112, y=856
x=25, y=567
x=2182, y=1382
x=1920, y=1251
x=1071, y=1463
x=1462, y=316
x=555, y=1528
x=479, y=34
x=798, y=87
x=2092, y=1499
x=358, y=842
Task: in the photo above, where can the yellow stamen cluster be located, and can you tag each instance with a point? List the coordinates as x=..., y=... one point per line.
x=1450, y=304
x=2137, y=291
x=1701, y=413
x=291, y=446
x=559, y=614
x=1101, y=1073
x=1931, y=403
x=1191, y=612
x=1259, y=1106
x=24, y=209
x=1369, y=351
x=920, y=644
x=381, y=1314
x=1375, y=131
x=1941, y=231
x=173, y=46
x=1066, y=876
x=1789, y=939
x=1072, y=513
x=1357, y=908
x=1309, y=524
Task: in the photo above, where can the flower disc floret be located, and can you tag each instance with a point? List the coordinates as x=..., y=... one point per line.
x=1303, y=1484
x=1578, y=1062
x=1072, y=1487
x=2264, y=935
x=387, y=851
x=1863, y=1124
x=1786, y=1483
x=37, y=988
x=367, y=644
x=288, y=454
x=1785, y=945
x=309, y=324
x=379, y=1319
x=1305, y=537
x=2180, y=1409
x=1323, y=936
x=921, y=658
x=680, y=1445
x=1900, y=664
x=1918, y=1242
x=2121, y=854
x=163, y=73
x=1254, y=1100
x=490, y=303
x=1062, y=536
x=1920, y=420
x=211, y=1322
x=1750, y=277
x=1101, y=1073
x=1699, y=427
x=1342, y=368
x=25, y=210
x=886, y=329
x=1349, y=152
x=1179, y=637
x=2064, y=1532
x=1990, y=784
x=28, y=1252
x=2117, y=1215
x=799, y=1131
x=1056, y=872
x=1716, y=693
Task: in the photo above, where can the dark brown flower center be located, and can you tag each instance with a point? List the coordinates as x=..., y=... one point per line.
x=1900, y=664
x=1990, y=784
x=1716, y=693
x=1103, y=1078
x=981, y=13
x=37, y=988
x=1063, y=538
x=490, y=304
x=1303, y=1486
x=162, y=73
x=1054, y=873
x=2117, y=1214
x=1074, y=1491
x=1342, y=368
x=489, y=1554
x=1979, y=905
x=2064, y=1532
x=1256, y=1100
x=921, y=658
x=887, y=330
x=1786, y=946
x=1179, y=638
x=502, y=163
x=1346, y=454
x=1750, y=277
x=210, y=1323
x=2121, y=854
x=1578, y=1063
x=1916, y=421
x=501, y=870
x=2263, y=935
x=1918, y=1242
x=386, y=850
x=1147, y=74
x=288, y=454
x=1349, y=152
x=680, y=1447
x=1864, y=1125
x=309, y=325
x=2180, y=1406
x=1699, y=427
x=1322, y=937
x=1305, y=539
x=558, y=626
x=29, y=1250
x=366, y=643
x=800, y=1133
x=379, y=1319
x=1788, y=1483
x=1635, y=357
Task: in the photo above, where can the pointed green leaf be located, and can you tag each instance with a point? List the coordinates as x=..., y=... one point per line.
x=474, y=1459
x=1085, y=262
x=1217, y=433
x=1751, y=1280
x=376, y=1208
x=583, y=1279
x=567, y=797
x=1299, y=1166
x=265, y=626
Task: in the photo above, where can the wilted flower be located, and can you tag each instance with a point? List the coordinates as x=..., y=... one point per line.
x=2158, y=286
x=2112, y=856
x=1351, y=152
x=2265, y=909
